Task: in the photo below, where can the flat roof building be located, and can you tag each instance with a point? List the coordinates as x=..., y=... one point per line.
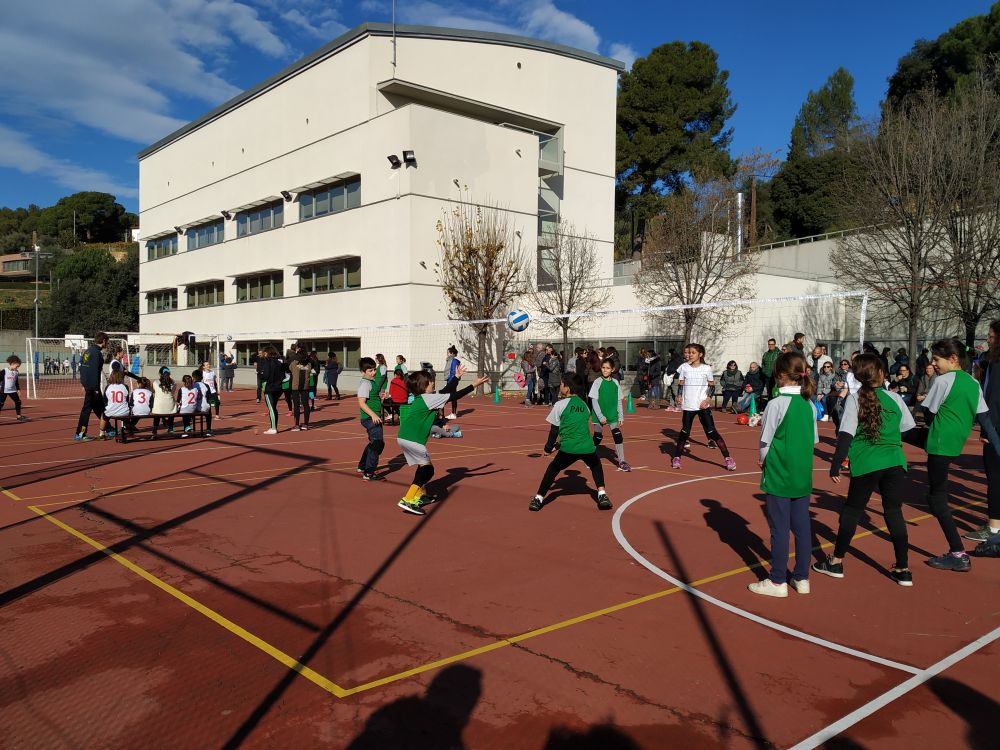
x=309, y=202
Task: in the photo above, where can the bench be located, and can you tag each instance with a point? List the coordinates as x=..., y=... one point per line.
x=121, y=434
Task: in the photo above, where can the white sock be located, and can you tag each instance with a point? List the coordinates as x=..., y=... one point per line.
x=994, y=530
x=620, y=450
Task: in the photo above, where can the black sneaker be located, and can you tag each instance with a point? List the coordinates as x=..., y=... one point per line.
x=536, y=503
x=428, y=499
x=827, y=568
x=959, y=563
x=902, y=577
x=712, y=445
x=979, y=535
x=603, y=501
x=372, y=477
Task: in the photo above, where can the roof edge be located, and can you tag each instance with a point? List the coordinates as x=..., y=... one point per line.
x=379, y=29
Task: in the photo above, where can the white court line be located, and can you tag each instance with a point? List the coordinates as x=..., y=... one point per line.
x=623, y=541
x=828, y=733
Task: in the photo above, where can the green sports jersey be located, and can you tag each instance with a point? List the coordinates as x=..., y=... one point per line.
x=887, y=451
x=789, y=430
x=955, y=398
x=369, y=391
x=572, y=417
x=417, y=418
x=606, y=394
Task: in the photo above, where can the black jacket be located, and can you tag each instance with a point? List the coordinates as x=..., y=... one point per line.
x=991, y=390
x=675, y=362
x=272, y=373
x=654, y=368
x=91, y=365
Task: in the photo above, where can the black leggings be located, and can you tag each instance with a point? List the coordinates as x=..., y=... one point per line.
x=168, y=420
x=13, y=397
x=563, y=461
x=991, y=462
x=300, y=400
x=707, y=424
x=889, y=483
x=937, y=498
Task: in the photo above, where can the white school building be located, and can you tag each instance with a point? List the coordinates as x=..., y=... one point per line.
x=304, y=209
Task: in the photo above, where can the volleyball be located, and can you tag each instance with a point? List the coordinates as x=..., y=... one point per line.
x=742, y=419
x=517, y=320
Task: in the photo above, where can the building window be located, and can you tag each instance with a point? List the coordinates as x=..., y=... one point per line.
x=206, y=234
x=330, y=199
x=16, y=265
x=158, y=354
x=205, y=295
x=162, y=247
x=260, y=219
x=260, y=286
x=330, y=277
x=348, y=351
x=162, y=300
x=245, y=350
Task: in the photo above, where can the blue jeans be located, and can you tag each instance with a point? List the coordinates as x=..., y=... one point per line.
x=369, y=459
x=786, y=515
x=529, y=384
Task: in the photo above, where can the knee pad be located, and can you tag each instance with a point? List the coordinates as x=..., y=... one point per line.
x=378, y=446
x=598, y=437
x=617, y=435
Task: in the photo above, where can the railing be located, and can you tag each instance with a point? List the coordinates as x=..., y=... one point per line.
x=548, y=224
x=810, y=238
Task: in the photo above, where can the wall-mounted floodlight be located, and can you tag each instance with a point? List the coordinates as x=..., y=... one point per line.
x=180, y=230
x=226, y=214
x=409, y=158
x=286, y=195
x=457, y=184
x=394, y=161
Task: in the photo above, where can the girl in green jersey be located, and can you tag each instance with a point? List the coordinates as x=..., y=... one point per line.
x=870, y=432
x=953, y=402
x=570, y=425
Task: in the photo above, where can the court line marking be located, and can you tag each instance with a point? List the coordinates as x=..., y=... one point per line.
x=237, y=630
x=800, y=634
x=863, y=712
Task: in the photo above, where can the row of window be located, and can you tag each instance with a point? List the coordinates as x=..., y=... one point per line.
x=16, y=265
x=331, y=198
x=348, y=351
x=323, y=277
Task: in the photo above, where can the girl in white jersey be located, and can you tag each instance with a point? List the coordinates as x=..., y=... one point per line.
x=209, y=379
x=116, y=400
x=10, y=386
x=697, y=384
x=205, y=404
x=187, y=402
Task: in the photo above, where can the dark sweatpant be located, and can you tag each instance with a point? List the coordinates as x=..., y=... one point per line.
x=13, y=397
x=991, y=462
x=300, y=401
x=889, y=483
x=563, y=461
x=784, y=515
x=369, y=458
x=93, y=401
x=937, y=499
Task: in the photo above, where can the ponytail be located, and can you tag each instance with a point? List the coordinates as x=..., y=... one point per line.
x=792, y=367
x=870, y=372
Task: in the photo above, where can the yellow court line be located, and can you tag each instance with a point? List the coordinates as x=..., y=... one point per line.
x=211, y=614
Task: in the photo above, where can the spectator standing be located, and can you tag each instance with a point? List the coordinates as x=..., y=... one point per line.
x=331, y=372
x=654, y=374
x=528, y=370
x=767, y=360
x=641, y=383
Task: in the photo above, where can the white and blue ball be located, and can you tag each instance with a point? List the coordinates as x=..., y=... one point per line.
x=517, y=320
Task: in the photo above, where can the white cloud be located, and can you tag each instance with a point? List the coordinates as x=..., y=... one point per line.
x=375, y=6
x=541, y=18
x=323, y=25
x=17, y=152
x=457, y=16
x=623, y=52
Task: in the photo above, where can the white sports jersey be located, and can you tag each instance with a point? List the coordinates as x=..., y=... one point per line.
x=142, y=400
x=696, y=379
x=188, y=400
x=208, y=378
x=203, y=405
x=9, y=380
x=117, y=398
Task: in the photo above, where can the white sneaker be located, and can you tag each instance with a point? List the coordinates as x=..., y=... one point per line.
x=451, y=416
x=767, y=587
x=270, y=432
x=826, y=418
x=801, y=587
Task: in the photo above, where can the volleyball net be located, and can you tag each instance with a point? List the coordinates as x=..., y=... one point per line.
x=729, y=330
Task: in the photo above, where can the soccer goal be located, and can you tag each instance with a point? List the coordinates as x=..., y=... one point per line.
x=730, y=330
x=53, y=366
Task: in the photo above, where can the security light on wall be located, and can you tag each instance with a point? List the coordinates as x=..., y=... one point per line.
x=286, y=195
x=180, y=230
x=409, y=158
x=457, y=183
x=226, y=215
x=394, y=161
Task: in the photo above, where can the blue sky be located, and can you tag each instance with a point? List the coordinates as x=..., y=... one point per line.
x=84, y=85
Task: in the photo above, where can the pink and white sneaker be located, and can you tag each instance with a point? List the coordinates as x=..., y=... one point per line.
x=676, y=463
x=730, y=464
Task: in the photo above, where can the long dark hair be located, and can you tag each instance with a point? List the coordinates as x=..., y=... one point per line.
x=948, y=348
x=870, y=372
x=792, y=366
x=993, y=353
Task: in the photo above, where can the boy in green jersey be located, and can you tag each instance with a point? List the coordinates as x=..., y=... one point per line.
x=370, y=406
x=570, y=424
x=606, y=399
x=416, y=418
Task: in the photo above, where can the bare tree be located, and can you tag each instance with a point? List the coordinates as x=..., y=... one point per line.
x=481, y=267
x=968, y=195
x=566, y=285
x=894, y=193
x=689, y=258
